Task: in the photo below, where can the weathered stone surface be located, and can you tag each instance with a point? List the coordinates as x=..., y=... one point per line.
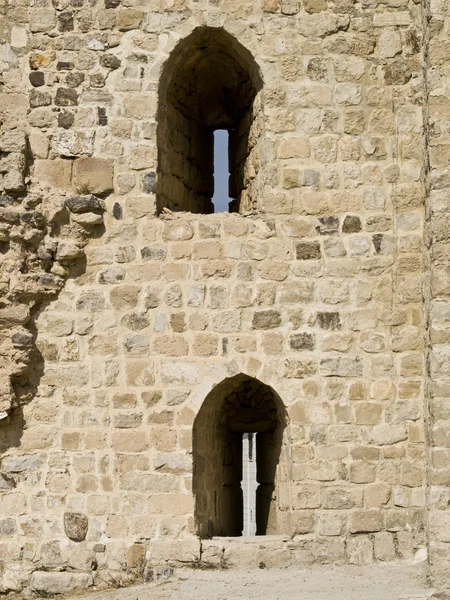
x=266, y=319
x=44, y=582
x=93, y=175
x=85, y=204
x=66, y=97
x=22, y=463
x=57, y=173
x=6, y=482
x=73, y=143
x=308, y=251
x=7, y=528
x=76, y=526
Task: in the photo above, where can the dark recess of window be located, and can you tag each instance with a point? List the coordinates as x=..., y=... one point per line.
x=236, y=406
x=209, y=82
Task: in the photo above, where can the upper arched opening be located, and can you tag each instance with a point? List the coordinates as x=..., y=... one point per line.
x=210, y=82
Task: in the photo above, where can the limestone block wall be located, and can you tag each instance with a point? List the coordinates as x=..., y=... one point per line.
x=316, y=291
x=131, y=350
x=438, y=115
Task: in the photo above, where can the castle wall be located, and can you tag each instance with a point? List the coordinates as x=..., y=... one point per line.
x=437, y=238
x=317, y=293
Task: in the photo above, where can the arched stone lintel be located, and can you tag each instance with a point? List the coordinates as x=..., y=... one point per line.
x=227, y=371
x=241, y=32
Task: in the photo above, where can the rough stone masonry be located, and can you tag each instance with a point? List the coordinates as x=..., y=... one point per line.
x=130, y=319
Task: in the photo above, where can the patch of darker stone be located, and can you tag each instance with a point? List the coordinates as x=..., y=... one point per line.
x=224, y=346
x=117, y=211
x=178, y=322
x=33, y=218
x=73, y=80
x=65, y=21
x=66, y=97
x=112, y=3
x=149, y=182
x=7, y=482
x=266, y=319
x=101, y=114
x=7, y=527
x=151, y=398
x=36, y=78
x=317, y=69
x=149, y=253
x=110, y=61
x=302, y=341
x=270, y=226
x=97, y=80
x=6, y=200
x=351, y=224
x=138, y=57
x=38, y=98
x=65, y=119
x=135, y=321
x=51, y=282
x=83, y=204
x=22, y=340
x=327, y=225
x=330, y=121
x=329, y=320
x=152, y=300
x=112, y=275
x=311, y=178
x=436, y=27
x=64, y=65
x=76, y=526
x=91, y=301
x=397, y=73
x=412, y=39
x=377, y=240
x=155, y=574
x=308, y=251
x=317, y=436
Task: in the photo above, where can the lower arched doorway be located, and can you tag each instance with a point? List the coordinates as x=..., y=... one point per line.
x=241, y=461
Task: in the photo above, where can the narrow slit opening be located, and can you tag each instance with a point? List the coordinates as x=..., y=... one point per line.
x=249, y=483
x=221, y=199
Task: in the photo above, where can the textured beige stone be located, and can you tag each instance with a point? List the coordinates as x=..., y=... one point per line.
x=57, y=173
x=328, y=283
x=93, y=175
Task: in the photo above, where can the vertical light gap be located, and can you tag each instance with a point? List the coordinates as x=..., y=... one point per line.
x=221, y=171
x=249, y=483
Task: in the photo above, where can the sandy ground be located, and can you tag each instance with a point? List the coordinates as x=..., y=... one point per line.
x=378, y=582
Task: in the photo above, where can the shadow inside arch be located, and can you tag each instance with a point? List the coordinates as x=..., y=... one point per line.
x=209, y=82
x=239, y=405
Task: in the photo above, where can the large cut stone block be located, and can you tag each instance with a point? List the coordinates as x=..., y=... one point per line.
x=59, y=583
x=93, y=175
x=57, y=173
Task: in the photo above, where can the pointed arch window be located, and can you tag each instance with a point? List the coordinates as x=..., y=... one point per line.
x=240, y=461
x=210, y=82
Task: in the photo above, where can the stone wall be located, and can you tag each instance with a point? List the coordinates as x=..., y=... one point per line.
x=315, y=289
x=437, y=240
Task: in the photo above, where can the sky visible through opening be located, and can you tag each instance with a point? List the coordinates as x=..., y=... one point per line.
x=221, y=171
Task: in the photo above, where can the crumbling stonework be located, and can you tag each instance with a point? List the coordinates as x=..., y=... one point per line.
x=121, y=314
